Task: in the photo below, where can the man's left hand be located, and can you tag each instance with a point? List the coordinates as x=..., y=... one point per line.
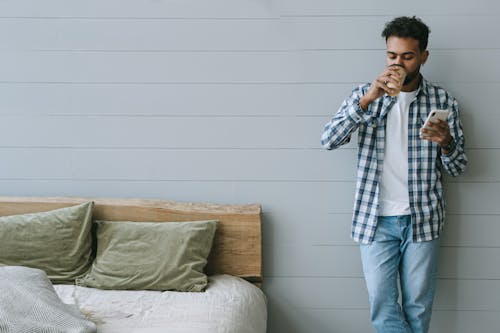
x=439, y=133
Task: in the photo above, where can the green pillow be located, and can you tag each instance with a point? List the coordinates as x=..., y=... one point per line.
x=151, y=255
x=58, y=242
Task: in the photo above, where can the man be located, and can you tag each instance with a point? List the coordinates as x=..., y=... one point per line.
x=399, y=208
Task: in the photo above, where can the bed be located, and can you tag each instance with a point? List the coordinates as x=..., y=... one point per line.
x=224, y=297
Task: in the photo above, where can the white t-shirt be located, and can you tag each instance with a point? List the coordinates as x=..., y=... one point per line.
x=394, y=198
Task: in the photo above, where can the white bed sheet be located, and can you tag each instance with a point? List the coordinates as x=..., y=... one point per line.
x=229, y=305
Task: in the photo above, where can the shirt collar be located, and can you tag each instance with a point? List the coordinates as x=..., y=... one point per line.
x=424, y=87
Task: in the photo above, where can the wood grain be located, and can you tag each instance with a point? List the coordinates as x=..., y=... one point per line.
x=237, y=248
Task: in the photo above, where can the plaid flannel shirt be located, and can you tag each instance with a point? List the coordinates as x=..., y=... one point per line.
x=426, y=161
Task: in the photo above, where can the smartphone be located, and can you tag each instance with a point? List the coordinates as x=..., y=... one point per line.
x=436, y=114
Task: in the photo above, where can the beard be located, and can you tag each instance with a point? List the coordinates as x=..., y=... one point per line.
x=411, y=76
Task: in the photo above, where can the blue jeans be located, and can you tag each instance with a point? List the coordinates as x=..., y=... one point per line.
x=393, y=257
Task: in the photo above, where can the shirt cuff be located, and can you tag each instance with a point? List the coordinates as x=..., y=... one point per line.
x=452, y=151
x=356, y=113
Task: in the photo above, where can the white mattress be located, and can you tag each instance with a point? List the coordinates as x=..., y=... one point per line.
x=229, y=305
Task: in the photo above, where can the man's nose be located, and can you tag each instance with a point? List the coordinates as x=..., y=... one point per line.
x=398, y=61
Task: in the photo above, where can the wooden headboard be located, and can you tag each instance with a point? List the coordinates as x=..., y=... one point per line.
x=237, y=246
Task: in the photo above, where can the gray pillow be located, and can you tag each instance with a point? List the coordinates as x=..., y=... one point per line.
x=151, y=255
x=57, y=242
x=29, y=303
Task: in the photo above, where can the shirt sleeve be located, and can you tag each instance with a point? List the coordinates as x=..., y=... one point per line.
x=455, y=161
x=338, y=130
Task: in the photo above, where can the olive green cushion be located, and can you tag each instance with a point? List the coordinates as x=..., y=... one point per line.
x=58, y=242
x=151, y=255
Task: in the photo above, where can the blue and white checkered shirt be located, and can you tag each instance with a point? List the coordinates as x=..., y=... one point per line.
x=425, y=158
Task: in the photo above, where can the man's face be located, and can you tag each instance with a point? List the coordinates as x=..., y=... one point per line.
x=406, y=52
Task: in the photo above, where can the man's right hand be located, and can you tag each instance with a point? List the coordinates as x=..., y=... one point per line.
x=379, y=86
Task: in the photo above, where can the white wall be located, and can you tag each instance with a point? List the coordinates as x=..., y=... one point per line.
x=224, y=101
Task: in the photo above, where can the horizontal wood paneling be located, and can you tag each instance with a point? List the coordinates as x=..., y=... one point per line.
x=107, y=34
x=298, y=320
x=174, y=99
x=285, y=33
x=137, y=9
x=344, y=261
x=217, y=192
x=152, y=164
x=476, y=100
x=464, y=321
x=320, y=197
x=208, y=164
x=283, y=224
x=350, y=293
x=225, y=102
x=241, y=8
x=163, y=132
x=387, y=8
x=154, y=131
x=237, y=67
x=364, y=32
x=295, y=227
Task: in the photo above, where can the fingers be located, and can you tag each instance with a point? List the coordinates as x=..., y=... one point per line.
x=381, y=83
x=439, y=125
x=390, y=78
x=438, y=132
x=395, y=71
x=385, y=80
x=378, y=88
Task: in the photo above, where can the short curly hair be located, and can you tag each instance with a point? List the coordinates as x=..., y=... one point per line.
x=405, y=27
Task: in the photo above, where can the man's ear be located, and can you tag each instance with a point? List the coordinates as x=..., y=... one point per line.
x=425, y=55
